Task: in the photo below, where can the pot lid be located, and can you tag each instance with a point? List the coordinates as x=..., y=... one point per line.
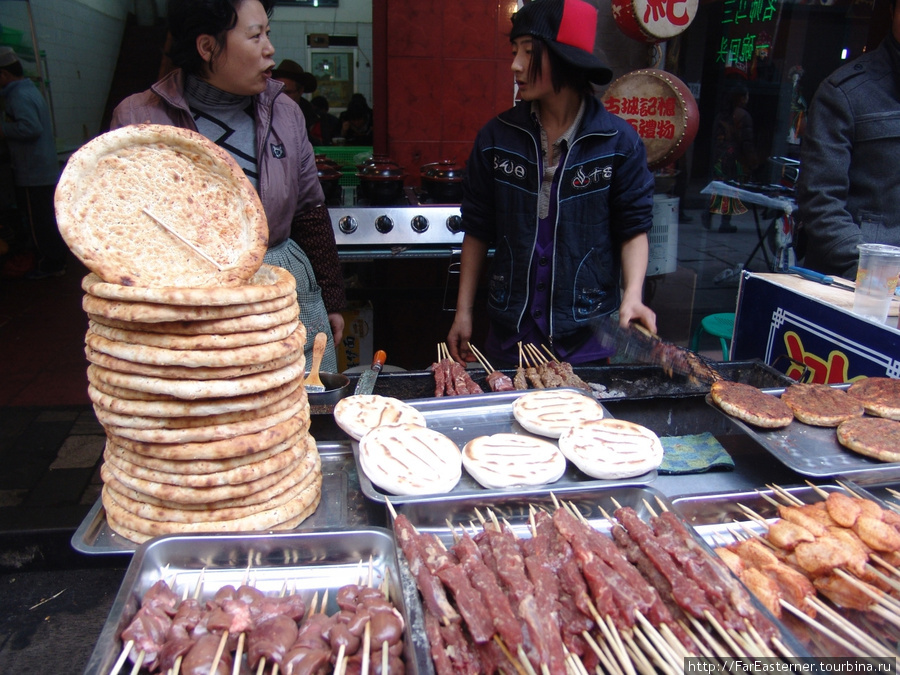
x=445, y=171
x=381, y=168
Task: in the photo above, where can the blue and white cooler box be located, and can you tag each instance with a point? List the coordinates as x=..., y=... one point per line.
x=793, y=324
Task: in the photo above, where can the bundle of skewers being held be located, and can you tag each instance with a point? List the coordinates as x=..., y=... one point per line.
x=828, y=569
x=240, y=630
x=536, y=370
x=564, y=597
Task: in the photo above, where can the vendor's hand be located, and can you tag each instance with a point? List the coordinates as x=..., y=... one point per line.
x=637, y=311
x=458, y=339
x=336, y=320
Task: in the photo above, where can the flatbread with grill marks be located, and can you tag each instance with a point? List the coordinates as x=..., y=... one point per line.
x=549, y=412
x=751, y=405
x=408, y=459
x=879, y=395
x=875, y=437
x=360, y=413
x=611, y=449
x=821, y=405
x=506, y=460
x=160, y=206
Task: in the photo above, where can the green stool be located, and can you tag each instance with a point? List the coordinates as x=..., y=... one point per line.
x=717, y=325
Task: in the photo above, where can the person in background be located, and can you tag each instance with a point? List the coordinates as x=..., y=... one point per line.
x=28, y=131
x=734, y=154
x=222, y=87
x=325, y=126
x=356, y=121
x=297, y=82
x=847, y=193
x=560, y=188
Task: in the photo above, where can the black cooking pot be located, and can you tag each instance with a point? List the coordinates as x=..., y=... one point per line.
x=381, y=180
x=330, y=180
x=442, y=181
x=337, y=386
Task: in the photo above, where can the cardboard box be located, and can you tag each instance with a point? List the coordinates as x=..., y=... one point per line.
x=356, y=346
x=796, y=325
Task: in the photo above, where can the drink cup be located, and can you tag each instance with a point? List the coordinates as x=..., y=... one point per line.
x=876, y=280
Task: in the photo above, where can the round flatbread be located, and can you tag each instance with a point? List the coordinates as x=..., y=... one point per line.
x=185, y=515
x=360, y=413
x=549, y=412
x=231, y=447
x=199, y=495
x=278, y=517
x=198, y=342
x=821, y=405
x=408, y=459
x=879, y=395
x=310, y=462
x=184, y=373
x=213, y=432
x=508, y=460
x=751, y=405
x=268, y=283
x=875, y=437
x=158, y=206
x=197, y=389
x=134, y=421
x=612, y=449
x=153, y=313
x=210, y=358
x=237, y=475
x=111, y=399
x=201, y=466
x=238, y=324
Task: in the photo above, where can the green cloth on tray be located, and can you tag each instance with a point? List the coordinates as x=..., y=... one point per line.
x=694, y=453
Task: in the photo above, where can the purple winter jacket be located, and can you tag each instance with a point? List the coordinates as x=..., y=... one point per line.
x=288, y=179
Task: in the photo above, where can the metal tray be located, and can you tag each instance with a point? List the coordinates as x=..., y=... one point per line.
x=342, y=507
x=461, y=511
x=462, y=418
x=715, y=517
x=815, y=451
x=306, y=562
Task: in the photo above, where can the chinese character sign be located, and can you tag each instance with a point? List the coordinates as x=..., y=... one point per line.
x=653, y=20
x=660, y=108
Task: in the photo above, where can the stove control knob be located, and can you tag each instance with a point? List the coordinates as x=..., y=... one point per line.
x=419, y=224
x=347, y=225
x=454, y=224
x=384, y=224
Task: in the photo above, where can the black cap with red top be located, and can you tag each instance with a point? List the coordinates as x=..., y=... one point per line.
x=569, y=27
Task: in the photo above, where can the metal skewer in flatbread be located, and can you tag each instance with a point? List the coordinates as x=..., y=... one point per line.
x=159, y=206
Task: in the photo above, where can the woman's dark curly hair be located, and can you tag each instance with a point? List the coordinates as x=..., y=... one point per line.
x=561, y=73
x=189, y=19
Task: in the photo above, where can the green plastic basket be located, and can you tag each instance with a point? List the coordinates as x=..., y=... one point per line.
x=348, y=156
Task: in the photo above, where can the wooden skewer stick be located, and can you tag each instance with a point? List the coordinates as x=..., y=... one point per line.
x=882, y=604
x=787, y=496
x=366, y=648
x=603, y=654
x=549, y=353
x=611, y=633
x=236, y=666
x=126, y=650
x=191, y=245
x=863, y=640
x=735, y=650
x=708, y=640
x=639, y=659
x=339, y=660
x=219, y=652
x=526, y=664
x=390, y=508
x=138, y=663
x=509, y=656
x=385, y=658
x=821, y=628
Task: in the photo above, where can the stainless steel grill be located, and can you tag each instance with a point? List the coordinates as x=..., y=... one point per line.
x=412, y=228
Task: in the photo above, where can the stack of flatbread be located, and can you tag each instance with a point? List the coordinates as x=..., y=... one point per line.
x=195, y=347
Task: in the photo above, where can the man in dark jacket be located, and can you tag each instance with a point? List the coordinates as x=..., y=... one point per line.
x=847, y=192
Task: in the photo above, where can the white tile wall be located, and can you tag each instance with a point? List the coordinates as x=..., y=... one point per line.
x=81, y=40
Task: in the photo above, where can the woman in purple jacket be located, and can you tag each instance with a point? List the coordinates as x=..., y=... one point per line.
x=560, y=189
x=222, y=87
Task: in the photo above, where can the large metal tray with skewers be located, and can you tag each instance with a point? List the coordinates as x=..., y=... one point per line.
x=308, y=564
x=727, y=519
x=815, y=451
x=462, y=418
x=450, y=517
x=341, y=508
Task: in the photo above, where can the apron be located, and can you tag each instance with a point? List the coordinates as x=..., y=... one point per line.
x=288, y=255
